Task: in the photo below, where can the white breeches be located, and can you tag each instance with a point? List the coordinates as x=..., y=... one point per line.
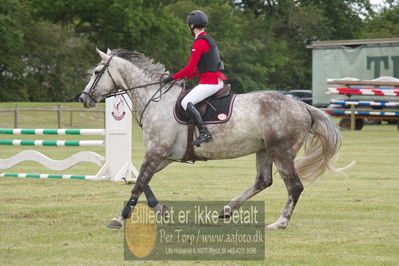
x=201, y=92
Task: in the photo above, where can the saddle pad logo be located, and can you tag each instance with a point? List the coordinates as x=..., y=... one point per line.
x=119, y=108
x=222, y=117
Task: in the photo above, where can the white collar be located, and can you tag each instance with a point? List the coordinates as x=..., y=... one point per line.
x=196, y=36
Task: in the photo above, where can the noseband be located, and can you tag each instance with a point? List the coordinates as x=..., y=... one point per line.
x=98, y=77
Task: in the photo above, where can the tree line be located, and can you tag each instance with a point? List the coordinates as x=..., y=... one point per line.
x=47, y=47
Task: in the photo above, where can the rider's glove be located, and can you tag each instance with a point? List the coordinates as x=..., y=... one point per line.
x=167, y=79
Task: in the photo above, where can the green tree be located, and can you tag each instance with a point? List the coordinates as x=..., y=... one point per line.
x=384, y=24
x=40, y=61
x=144, y=26
x=47, y=46
x=286, y=27
x=13, y=18
x=57, y=62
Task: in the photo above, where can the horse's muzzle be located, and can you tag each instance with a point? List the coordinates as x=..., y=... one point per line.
x=86, y=101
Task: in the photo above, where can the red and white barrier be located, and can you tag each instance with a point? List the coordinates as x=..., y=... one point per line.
x=365, y=91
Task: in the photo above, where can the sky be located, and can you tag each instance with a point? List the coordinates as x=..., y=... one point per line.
x=377, y=2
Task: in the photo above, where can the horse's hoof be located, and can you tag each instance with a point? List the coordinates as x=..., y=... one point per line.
x=275, y=227
x=114, y=224
x=224, y=216
x=225, y=212
x=164, y=212
x=281, y=223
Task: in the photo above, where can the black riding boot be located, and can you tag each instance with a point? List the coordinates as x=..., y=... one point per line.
x=204, y=136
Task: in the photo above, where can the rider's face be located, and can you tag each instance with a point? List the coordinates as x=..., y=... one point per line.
x=191, y=26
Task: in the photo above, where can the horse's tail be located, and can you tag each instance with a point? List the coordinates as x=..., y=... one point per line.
x=321, y=146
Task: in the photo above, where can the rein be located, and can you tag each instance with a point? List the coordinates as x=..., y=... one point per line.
x=154, y=97
x=122, y=91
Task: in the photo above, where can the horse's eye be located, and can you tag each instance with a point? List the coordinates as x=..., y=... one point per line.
x=96, y=72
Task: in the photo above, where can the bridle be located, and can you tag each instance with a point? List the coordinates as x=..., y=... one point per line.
x=121, y=91
x=97, y=79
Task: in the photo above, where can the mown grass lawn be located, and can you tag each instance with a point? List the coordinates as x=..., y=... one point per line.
x=350, y=219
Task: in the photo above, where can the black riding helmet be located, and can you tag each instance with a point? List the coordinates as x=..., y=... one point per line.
x=198, y=18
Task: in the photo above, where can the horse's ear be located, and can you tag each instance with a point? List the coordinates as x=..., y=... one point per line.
x=102, y=54
x=109, y=51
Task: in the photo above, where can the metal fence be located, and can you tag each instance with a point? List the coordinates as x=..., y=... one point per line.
x=57, y=110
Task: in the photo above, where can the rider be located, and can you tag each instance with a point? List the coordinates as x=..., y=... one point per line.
x=204, y=63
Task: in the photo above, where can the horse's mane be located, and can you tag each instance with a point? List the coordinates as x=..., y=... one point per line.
x=140, y=60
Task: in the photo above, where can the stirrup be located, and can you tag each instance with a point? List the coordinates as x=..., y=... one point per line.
x=203, y=137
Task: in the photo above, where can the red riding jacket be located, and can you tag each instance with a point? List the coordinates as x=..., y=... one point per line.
x=190, y=71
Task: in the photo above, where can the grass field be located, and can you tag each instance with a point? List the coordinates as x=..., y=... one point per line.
x=350, y=219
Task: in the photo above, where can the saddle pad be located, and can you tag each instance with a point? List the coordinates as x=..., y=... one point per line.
x=217, y=110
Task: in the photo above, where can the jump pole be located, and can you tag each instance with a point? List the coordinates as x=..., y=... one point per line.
x=48, y=176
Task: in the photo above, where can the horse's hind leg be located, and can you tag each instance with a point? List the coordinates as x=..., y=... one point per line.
x=262, y=181
x=294, y=187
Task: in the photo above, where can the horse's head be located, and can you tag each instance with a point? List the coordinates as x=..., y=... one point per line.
x=104, y=80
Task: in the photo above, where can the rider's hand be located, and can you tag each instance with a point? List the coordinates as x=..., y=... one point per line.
x=167, y=79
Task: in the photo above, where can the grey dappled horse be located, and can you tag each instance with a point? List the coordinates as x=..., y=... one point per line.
x=266, y=123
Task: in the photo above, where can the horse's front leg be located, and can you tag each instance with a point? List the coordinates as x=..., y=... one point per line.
x=153, y=162
x=153, y=202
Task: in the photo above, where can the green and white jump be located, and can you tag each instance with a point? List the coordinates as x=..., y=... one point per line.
x=57, y=143
x=116, y=165
x=49, y=176
x=43, y=131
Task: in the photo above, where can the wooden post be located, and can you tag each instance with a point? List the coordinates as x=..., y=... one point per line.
x=59, y=116
x=105, y=115
x=70, y=117
x=353, y=117
x=16, y=113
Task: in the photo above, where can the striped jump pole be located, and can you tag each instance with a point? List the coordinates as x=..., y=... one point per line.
x=19, y=131
x=365, y=103
x=54, y=143
x=369, y=113
x=380, y=82
x=49, y=176
x=363, y=91
x=367, y=88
